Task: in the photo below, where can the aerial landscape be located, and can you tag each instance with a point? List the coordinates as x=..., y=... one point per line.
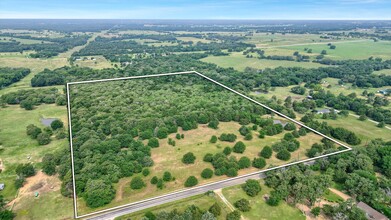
x=154, y=113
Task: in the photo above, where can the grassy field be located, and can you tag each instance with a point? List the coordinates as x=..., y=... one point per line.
x=21, y=40
x=194, y=39
x=168, y=158
x=48, y=206
x=239, y=62
x=202, y=201
x=385, y=72
x=270, y=40
x=349, y=50
x=366, y=130
x=99, y=63
x=259, y=209
x=17, y=146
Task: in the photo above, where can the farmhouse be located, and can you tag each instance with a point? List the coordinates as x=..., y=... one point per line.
x=370, y=213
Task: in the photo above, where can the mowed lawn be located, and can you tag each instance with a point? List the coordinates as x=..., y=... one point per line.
x=366, y=130
x=349, y=50
x=168, y=158
x=239, y=62
x=204, y=202
x=259, y=209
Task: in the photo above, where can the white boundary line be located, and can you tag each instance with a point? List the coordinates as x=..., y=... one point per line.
x=201, y=186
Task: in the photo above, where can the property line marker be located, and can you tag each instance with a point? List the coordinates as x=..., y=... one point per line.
x=197, y=187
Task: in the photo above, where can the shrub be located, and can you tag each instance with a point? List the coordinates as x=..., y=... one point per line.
x=208, y=157
x=150, y=216
x=243, y=205
x=266, y=152
x=153, y=142
x=207, y=173
x=25, y=170
x=154, y=180
x=19, y=182
x=56, y=124
x=315, y=211
x=252, y=187
x=259, y=163
x=43, y=139
x=248, y=137
x=302, y=131
x=290, y=126
x=244, y=162
x=33, y=131
x=235, y=215
x=137, y=183
x=213, y=124
x=239, y=147
x=160, y=184
x=228, y=137
x=178, y=136
x=146, y=172
x=231, y=172
x=27, y=104
x=227, y=150
x=273, y=201
x=213, y=139
x=244, y=130
x=284, y=155
x=288, y=137
x=188, y=158
x=191, y=181
x=215, y=209
x=162, y=133
x=167, y=176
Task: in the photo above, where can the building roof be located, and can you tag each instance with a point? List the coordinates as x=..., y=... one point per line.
x=2, y=185
x=279, y=122
x=322, y=111
x=370, y=212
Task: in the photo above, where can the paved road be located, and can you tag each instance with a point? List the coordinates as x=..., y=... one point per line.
x=179, y=195
x=174, y=197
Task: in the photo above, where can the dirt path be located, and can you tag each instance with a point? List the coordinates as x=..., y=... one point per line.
x=354, y=115
x=120, y=190
x=226, y=202
x=341, y=194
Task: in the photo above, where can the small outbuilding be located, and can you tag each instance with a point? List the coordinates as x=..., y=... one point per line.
x=275, y=122
x=323, y=111
x=371, y=213
x=2, y=186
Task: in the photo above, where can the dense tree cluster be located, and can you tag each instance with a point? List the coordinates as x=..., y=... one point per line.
x=33, y=97
x=356, y=172
x=11, y=75
x=298, y=183
x=49, y=46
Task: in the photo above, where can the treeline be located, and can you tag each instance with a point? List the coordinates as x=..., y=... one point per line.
x=11, y=75
x=357, y=105
x=44, y=49
x=27, y=99
x=109, y=47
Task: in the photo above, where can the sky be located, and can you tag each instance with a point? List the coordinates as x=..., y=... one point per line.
x=198, y=9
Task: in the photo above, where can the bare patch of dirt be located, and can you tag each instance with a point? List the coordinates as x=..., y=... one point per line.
x=40, y=183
